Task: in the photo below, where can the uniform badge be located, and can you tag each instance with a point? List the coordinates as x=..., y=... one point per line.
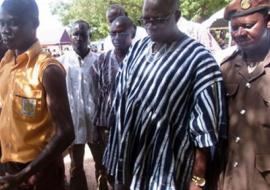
x=29, y=107
x=245, y=4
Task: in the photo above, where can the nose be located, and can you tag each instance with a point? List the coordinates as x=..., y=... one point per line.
x=150, y=26
x=4, y=28
x=240, y=31
x=78, y=37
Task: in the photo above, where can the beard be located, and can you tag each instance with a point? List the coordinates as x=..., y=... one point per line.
x=262, y=45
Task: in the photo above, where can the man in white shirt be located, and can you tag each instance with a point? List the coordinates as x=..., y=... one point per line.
x=79, y=67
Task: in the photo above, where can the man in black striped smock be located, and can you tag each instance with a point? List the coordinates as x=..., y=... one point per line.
x=169, y=108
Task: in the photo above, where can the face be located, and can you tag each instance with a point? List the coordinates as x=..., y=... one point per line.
x=159, y=21
x=80, y=38
x=16, y=32
x=249, y=31
x=121, y=35
x=112, y=14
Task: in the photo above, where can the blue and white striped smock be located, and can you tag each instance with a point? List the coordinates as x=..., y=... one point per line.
x=166, y=104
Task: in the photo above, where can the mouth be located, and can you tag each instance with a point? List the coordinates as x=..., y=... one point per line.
x=116, y=43
x=7, y=40
x=242, y=40
x=78, y=46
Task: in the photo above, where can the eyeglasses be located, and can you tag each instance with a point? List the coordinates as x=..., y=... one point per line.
x=120, y=34
x=155, y=20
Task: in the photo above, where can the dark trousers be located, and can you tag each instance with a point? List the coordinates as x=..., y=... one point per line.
x=77, y=175
x=50, y=178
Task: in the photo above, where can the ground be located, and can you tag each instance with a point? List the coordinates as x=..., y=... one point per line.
x=88, y=167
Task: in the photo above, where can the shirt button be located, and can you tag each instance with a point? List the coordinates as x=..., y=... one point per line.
x=242, y=112
x=237, y=139
x=235, y=164
x=248, y=85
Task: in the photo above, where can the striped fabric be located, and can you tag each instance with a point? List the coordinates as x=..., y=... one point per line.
x=166, y=104
x=107, y=67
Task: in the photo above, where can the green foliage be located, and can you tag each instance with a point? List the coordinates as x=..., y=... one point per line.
x=94, y=11
x=200, y=10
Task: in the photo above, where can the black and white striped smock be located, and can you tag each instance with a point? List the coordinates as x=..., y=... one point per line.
x=166, y=104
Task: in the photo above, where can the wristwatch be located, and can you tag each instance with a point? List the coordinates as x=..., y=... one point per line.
x=199, y=181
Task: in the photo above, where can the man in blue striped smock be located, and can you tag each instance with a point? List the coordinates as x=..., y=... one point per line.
x=169, y=108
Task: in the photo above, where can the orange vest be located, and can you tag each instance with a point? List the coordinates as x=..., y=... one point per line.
x=25, y=122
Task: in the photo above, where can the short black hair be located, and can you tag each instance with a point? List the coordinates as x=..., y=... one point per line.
x=124, y=19
x=127, y=22
x=82, y=22
x=26, y=9
x=118, y=8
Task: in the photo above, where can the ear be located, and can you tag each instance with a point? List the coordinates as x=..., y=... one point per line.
x=268, y=22
x=134, y=30
x=177, y=15
x=36, y=23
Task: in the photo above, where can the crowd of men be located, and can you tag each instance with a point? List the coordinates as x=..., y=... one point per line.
x=158, y=113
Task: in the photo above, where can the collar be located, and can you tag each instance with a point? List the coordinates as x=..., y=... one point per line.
x=260, y=69
x=29, y=54
x=79, y=57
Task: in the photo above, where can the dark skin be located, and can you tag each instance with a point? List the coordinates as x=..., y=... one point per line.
x=56, y=99
x=251, y=34
x=165, y=33
x=121, y=33
x=3, y=49
x=80, y=39
x=13, y=28
x=113, y=13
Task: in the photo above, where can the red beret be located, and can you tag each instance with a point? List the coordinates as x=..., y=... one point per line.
x=237, y=8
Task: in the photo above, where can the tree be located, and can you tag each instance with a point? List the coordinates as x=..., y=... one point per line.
x=94, y=11
x=200, y=10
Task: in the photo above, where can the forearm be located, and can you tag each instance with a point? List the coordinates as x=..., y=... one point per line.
x=199, y=170
x=200, y=164
x=58, y=107
x=52, y=151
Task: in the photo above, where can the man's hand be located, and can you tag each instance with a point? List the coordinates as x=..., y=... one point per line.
x=10, y=182
x=57, y=102
x=199, y=168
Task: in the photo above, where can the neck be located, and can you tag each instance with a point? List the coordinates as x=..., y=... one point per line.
x=120, y=53
x=256, y=55
x=175, y=36
x=25, y=46
x=83, y=53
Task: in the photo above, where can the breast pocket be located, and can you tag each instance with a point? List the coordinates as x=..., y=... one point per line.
x=27, y=104
x=263, y=166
